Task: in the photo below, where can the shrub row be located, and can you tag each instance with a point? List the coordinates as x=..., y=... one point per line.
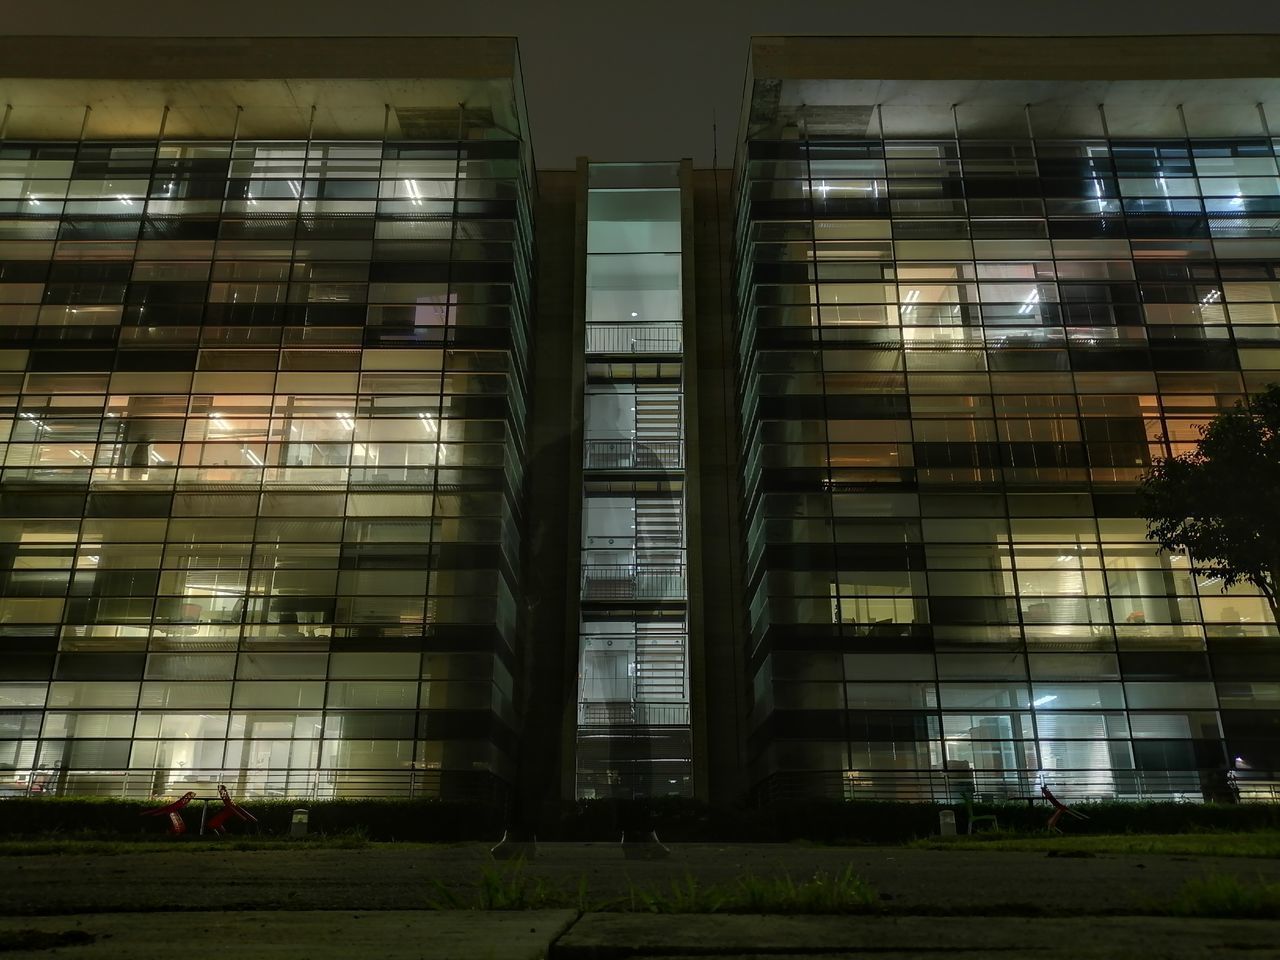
x=420, y=820
x=879, y=822
x=674, y=820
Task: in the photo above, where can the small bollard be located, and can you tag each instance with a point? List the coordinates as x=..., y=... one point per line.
x=947, y=823
x=298, y=825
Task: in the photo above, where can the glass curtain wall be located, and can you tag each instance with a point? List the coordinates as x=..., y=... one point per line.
x=633, y=709
x=957, y=357
x=264, y=437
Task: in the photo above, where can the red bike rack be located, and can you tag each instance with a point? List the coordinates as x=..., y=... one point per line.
x=177, y=826
x=1059, y=808
x=215, y=824
x=229, y=809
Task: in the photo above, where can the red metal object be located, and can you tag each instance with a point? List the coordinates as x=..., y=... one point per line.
x=229, y=809
x=1059, y=808
x=177, y=826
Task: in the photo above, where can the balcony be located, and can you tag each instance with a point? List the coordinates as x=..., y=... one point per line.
x=631, y=713
x=633, y=455
x=630, y=581
x=663, y=336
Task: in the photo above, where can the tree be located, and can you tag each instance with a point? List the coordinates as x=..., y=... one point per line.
x=1221, y=501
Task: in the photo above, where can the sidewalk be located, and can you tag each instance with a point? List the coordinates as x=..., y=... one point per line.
x=607, y=936
x=408, y=876
x=287, y=935
x=470, y=935
x=370, y=903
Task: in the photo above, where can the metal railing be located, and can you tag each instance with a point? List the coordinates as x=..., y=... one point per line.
x=633, y=455
x=936, y=786
x=612, y=713
x=300, y=782
x=629, y=581
x=663, y=336
x=946, y=786
x=1259, y=791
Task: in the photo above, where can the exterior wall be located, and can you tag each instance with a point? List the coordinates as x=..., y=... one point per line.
x=265, y=436
x=546, y=684
x=957, y=355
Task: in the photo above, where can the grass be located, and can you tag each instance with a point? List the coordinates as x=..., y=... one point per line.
x=511, y=888
x=1222, y=896
x=684, y=896
x=844, y=892
x=825, y=893
x=80, y=846
x=1257, y=844
x=1260, y=844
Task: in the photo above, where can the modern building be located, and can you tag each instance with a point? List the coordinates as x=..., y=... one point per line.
x=981, y=284
x=266, y=344
x=350, y=454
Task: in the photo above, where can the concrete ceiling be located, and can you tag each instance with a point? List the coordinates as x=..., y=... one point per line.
x=411, y=87
x=1003, y=86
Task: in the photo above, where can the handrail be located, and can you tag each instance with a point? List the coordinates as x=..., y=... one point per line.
x=630, y=581
x=310, y=783
x=664, y=336
x=633, y=454
x=995, y=786
x=632, y=713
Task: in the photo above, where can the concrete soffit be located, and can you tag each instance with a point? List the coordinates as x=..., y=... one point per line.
x=1002, y=87
x=47, y=82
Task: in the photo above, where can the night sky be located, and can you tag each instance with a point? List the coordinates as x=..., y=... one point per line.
x=633, y=79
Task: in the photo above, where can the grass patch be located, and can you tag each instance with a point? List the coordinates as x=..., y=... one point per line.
x=511, y=888
x=684, y=896
x=79, y=847
x=1222, y=896
x=843, y=892
x=1256, y=844
x=823, y=893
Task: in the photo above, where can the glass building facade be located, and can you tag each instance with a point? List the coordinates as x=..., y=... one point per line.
x=634, y=736
x=264, y=437
x=815, y=478
x=961, y=342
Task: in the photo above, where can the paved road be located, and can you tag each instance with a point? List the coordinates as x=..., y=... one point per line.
x=198, y=876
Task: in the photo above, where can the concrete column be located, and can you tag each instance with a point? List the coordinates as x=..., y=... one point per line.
x=719, y=681
x=546, y=691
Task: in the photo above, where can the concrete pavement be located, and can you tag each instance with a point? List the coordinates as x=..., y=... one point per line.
x=199, y=876
x=619, y=936
x=561, y=935
x=287, y=935
x=200, y=901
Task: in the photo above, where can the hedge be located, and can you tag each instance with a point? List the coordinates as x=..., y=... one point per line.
x=420, y=820
x=674, y=820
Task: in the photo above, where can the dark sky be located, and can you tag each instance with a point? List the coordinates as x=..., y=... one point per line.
x=634, y=79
